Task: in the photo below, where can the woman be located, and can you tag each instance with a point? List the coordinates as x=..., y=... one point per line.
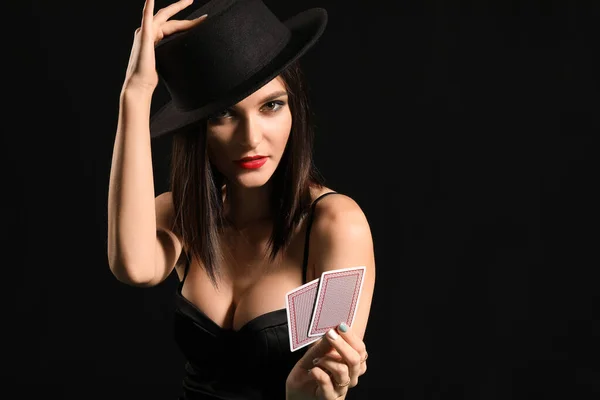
x=245, y=204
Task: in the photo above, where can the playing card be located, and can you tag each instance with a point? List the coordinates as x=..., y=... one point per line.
x=299, y=305
x=337, y=299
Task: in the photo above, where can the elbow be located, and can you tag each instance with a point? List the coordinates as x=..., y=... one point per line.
x=132, y=275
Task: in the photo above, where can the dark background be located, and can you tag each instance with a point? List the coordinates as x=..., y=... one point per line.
x=467, y=133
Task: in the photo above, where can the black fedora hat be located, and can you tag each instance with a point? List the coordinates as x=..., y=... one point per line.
x=237, y=49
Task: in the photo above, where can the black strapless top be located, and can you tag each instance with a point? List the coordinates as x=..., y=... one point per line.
x=250, y=364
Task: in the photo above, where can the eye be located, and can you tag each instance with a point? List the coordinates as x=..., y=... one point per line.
x=272, y=106
x=219, y=115
x=275, y=105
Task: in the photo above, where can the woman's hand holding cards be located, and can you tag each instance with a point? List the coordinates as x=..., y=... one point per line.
x=334, y=364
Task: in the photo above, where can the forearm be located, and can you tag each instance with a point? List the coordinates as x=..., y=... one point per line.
x=131, y=197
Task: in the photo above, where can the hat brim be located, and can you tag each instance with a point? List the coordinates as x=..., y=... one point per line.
x=305, y=28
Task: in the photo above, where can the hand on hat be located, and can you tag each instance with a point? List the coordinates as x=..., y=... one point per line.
x=141, y=71
x=329, y=368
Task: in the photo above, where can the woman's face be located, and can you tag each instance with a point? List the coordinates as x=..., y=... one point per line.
x=259, y=125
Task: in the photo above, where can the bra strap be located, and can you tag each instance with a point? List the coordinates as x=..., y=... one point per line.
x=307, y=239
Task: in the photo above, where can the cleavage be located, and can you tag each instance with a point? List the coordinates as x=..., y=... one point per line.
x=246, y=286
x=234, y=306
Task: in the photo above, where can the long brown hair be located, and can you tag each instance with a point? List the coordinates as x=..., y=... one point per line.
x=196, y=184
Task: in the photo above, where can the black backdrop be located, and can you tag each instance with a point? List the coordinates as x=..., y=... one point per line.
x=466, y=133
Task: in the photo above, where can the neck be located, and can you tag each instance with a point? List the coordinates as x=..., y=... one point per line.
x=246, y=206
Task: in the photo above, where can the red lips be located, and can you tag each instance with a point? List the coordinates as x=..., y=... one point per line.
x=252, y=162
x=250, y=158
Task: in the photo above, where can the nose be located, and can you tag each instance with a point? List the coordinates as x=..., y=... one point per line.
x=250, y=132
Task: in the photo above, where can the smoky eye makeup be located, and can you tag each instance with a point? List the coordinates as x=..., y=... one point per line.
x=276, y=105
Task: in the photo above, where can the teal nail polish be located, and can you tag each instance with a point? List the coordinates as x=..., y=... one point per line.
x=343, y=327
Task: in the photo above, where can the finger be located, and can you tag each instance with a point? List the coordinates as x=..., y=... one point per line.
x=146, y=28
x=338, y=370
x=325, y=387
x=356, y=342
x=170, y=27
x=147, y=13
x=165, y=13
x=350, y=337
x=333, y=354
x=350, y=355
x=316, y=350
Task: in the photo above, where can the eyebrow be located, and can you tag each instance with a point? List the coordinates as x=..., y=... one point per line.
x=270, y=97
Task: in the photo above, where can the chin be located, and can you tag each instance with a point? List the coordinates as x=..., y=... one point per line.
x=251, y=183
x=252, y=179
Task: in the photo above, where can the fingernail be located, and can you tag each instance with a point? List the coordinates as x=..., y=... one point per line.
x=316, y=360
x=332, y=334
x=343, y=327
x=309, y=371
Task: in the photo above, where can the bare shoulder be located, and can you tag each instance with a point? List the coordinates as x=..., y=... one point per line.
x=165, y=216
x=164, y=210
x=340, y=215
x=165, y=199
x=169, y=251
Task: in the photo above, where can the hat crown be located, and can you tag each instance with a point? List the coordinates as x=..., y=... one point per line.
x=237, y=39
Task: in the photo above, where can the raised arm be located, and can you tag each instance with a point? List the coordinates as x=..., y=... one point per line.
x=142, y=249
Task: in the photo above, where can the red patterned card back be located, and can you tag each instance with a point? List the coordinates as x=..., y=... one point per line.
x=337, y=299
